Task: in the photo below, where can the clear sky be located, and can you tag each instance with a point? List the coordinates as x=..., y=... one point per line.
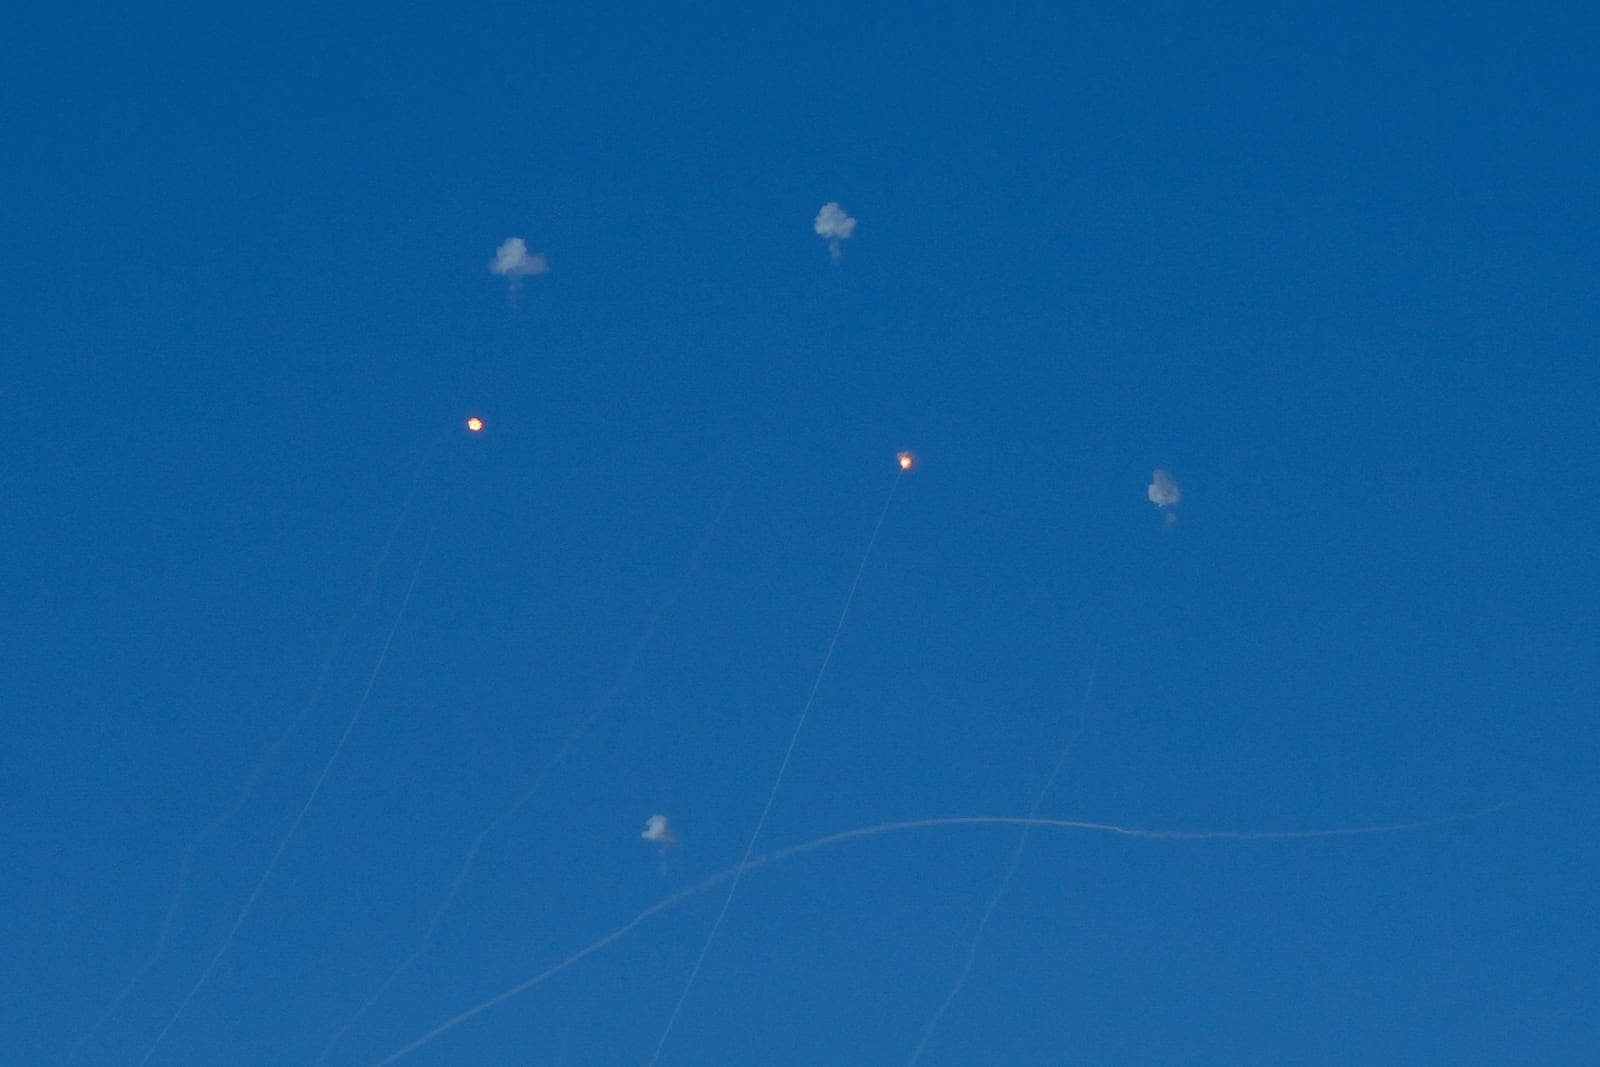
x=326, y=721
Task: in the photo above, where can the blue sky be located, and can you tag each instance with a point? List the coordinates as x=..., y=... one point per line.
x=1334, y=269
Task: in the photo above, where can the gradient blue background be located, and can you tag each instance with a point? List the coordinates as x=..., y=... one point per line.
x=1335, y=268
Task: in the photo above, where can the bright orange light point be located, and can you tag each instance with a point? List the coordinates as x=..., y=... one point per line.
x=906, y=460
x=474, y=424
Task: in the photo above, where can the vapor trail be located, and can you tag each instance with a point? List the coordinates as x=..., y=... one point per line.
x=738, y=870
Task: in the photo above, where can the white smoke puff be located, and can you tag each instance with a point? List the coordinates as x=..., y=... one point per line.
x=511, y=260
x=658, y=831
x=833, y=222
x=1164, y=490
x=835, y=225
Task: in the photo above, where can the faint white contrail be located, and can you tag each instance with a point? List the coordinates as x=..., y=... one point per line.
x=294, y=825
x=740, y=869
x=601, y=706
x=1011, y=868
x=783, y=767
